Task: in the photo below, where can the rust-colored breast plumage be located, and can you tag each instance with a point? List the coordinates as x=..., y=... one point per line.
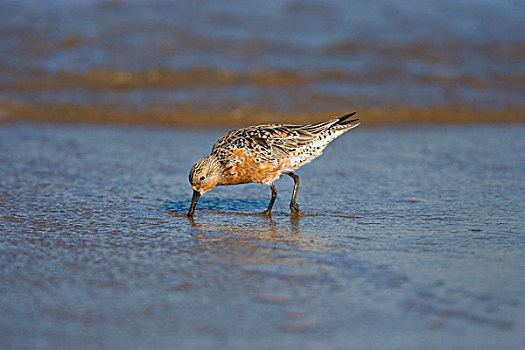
x=243, y=167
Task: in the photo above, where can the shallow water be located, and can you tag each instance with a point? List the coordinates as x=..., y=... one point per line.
x=165, y=58
x=415, y=241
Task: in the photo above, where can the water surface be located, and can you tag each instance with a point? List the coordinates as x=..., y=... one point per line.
x=415, y=241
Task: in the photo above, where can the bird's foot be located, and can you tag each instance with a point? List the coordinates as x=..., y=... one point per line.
x=295, y=211
x=267, y=213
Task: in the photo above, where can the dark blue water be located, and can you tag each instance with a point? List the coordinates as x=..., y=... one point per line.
x=415, y=240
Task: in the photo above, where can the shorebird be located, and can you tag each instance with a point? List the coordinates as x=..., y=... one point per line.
x=262, y=154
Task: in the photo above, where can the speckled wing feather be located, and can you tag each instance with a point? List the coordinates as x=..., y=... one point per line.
x=274, y=142
x=264, y=143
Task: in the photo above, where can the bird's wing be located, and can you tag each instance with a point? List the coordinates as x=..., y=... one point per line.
x=274, y=142
x=287, y=138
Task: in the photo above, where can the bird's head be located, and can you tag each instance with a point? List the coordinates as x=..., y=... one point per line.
x=204, y=176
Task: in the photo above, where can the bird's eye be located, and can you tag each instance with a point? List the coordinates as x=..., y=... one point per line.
x=203, y=177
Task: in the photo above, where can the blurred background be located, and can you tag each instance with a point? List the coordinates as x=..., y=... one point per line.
x=232, y=62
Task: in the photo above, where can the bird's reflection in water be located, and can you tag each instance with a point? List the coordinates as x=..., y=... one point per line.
x=253, y=241
x=255, y=227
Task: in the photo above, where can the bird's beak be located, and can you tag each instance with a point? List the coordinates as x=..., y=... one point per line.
x=194, y=200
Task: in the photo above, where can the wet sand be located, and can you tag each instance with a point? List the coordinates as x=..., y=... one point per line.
x=185, y=116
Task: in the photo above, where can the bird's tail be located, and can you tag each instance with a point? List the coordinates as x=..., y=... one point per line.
x=334, y=124
x=342, y=123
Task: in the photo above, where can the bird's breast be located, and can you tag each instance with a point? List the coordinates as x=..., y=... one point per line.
x=242, y=168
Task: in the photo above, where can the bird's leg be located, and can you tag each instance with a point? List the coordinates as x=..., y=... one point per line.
x=268, y=212
x=294, y=207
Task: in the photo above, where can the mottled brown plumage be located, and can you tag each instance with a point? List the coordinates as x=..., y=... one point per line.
x=264, y=153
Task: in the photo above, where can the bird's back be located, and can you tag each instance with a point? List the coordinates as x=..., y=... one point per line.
x=291, y=146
